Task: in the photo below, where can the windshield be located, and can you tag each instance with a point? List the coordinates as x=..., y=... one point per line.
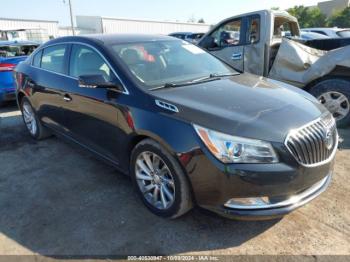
x=16, y=50
x=158, y=63
x=344, y=33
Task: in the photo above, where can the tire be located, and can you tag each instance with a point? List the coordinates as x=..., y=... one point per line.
x=331, y=90
x=182, y=199
x=35, y=128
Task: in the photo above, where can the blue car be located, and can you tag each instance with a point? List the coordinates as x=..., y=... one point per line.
x=11, y=54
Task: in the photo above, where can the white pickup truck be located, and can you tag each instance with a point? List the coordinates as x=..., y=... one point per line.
x=257, y=43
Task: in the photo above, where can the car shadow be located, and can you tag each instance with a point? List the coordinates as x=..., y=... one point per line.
x=58, y=199
x=9, y=106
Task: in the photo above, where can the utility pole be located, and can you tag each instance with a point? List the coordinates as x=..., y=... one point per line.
x=71, y=16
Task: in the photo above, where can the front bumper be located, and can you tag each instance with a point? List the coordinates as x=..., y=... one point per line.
x=277, y=209
x=288, y=185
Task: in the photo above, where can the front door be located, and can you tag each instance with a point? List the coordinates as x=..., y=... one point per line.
x=91, y=114
x=237, y=42
x=227, y=43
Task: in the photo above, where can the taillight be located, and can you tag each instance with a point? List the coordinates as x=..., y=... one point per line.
x=6, y=67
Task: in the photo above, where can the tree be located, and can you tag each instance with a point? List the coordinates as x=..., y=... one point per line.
x=340, y=19
x=201, y=21
x=308, y=16
x=275, y=8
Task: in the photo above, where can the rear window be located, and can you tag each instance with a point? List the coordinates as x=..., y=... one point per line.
x=37, y=59
x=16, y=50
x=283, y=27
x=53, y=58
x=344, y=33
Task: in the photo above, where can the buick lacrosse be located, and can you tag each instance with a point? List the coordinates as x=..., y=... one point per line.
x=187, y=128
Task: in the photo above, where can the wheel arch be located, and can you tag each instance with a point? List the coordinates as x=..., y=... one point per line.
x=334, y=83
x=340, y=72
x=20, y=96
x=143, y=135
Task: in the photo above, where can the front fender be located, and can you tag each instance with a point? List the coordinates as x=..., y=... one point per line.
x=176, y=135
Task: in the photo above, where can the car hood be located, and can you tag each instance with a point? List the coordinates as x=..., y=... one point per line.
x=244, y=105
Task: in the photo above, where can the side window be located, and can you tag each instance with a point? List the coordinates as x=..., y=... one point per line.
x=85, y=61
x=228, y=34
x=37, y=59
x=254, y=30
x=53, y=58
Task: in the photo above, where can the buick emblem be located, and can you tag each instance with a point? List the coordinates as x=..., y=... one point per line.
x=328, y=139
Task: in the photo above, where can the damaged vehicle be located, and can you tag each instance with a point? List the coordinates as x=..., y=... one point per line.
x=268, y=43
x=185, y=126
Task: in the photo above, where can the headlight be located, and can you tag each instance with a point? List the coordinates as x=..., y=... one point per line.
x=233, y=149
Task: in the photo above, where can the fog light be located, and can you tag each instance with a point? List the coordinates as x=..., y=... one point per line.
x=247, y=203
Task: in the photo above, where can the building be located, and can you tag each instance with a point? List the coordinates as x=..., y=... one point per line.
x=120, y=25
x=29, y=29
x=67, y=31
x=332, y=6
x=43, y=30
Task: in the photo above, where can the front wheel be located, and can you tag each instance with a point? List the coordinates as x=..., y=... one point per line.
x=334, y=94
x=159, y=180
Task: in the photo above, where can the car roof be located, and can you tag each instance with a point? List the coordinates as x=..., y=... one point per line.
x=17, y=43
x=113, y=38
x=276, y=13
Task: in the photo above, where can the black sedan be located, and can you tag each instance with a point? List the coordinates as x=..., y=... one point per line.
x=188, y=128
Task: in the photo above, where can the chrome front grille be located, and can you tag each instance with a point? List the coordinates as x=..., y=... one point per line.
x=314, y=143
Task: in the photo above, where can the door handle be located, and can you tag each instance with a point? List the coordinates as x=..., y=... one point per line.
x=67, y=98
x=237, y=56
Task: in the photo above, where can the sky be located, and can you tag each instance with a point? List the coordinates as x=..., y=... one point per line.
x=212, y=11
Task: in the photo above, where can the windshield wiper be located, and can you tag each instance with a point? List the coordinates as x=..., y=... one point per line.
x=166, y=85
x=223, y=75
x=211, y=77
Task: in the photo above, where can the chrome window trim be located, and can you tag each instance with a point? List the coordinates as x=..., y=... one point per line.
x=126, y=91
x=332, y=155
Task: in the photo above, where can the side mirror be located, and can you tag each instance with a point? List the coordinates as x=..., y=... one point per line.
x=96, y=81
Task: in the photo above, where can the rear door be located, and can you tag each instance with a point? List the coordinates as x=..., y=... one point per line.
x=48, y=82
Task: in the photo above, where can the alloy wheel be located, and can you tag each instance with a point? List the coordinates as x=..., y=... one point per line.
x=155, y=180
x=337, y=103
x=29, y=118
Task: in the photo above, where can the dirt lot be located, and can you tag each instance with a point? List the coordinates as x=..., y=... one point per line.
x=57, y=199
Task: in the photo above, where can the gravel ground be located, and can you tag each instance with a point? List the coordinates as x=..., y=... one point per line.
x=57, y=199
